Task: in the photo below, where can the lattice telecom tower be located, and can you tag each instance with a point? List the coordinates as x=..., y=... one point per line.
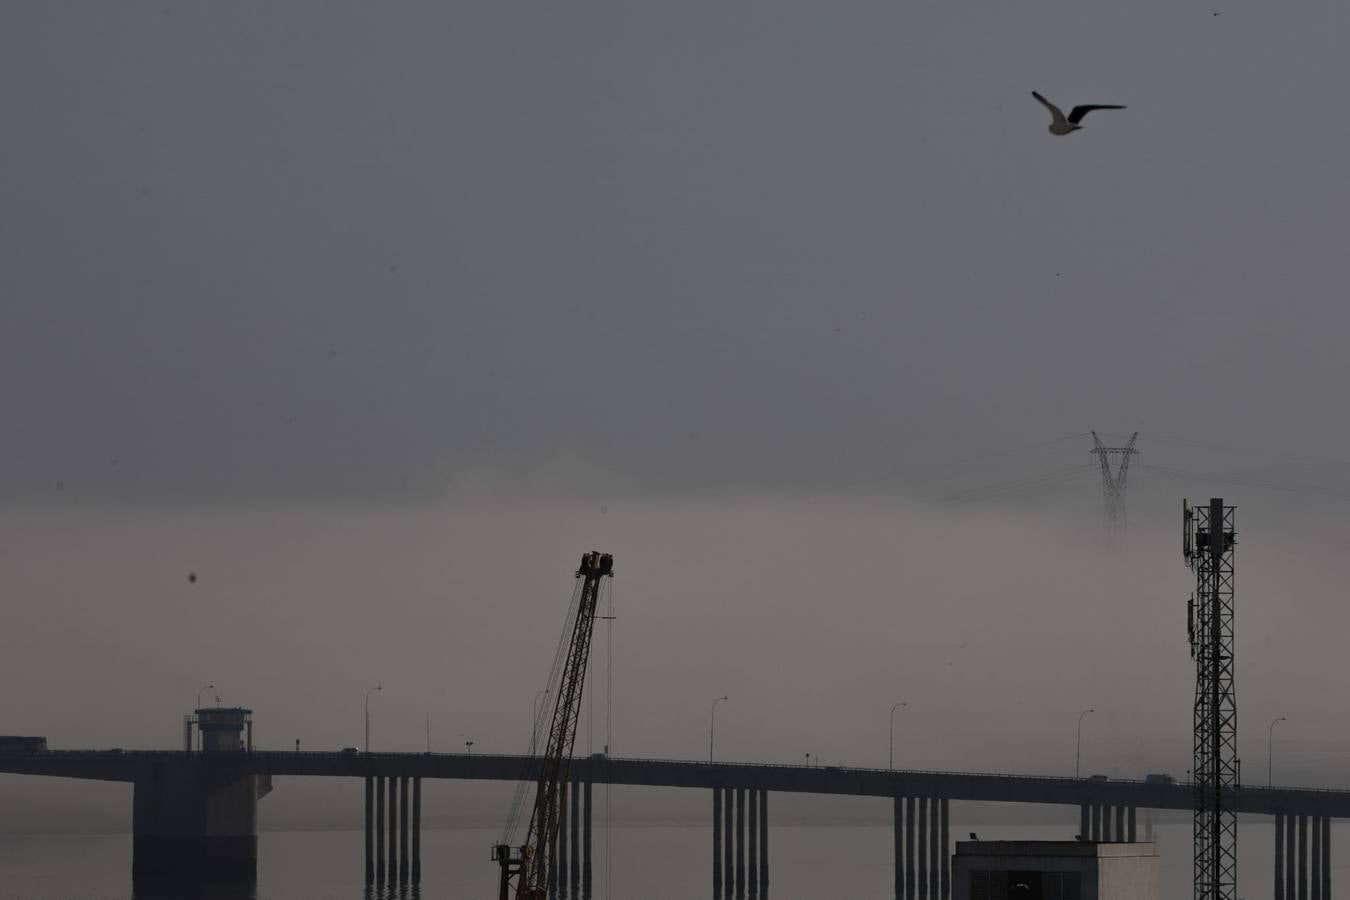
x=1208, y=537
x=1115, y=463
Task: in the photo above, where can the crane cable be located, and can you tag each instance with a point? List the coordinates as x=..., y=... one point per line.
x=543, y=715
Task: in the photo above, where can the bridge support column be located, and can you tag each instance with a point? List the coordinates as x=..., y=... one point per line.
x=1279, y=856
x=1119, y=831
x=1314, y=880
x=945, y=882
x=934, y=850
x=393, y=829
x=564, y=812
x=586, y=836
x=417, y=832
x=1084, y=822
x=1290, y=865
x=740, y=842
x=1096, y=823
x=752, y=865
x=728, y=842
x=553, y=855
x=910, y=880
x=370, y=857
x=717, y=843
x=764, y=845
x=574, y=864
x=195, y=816
x=923, y=848
x=1131, y=834
x=1325, y=874
x=379, y=829
x=403, y=829
x=898, y=835
x=1302, y=858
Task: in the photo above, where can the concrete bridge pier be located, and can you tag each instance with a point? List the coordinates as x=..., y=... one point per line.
x=370, y=851
x=379, y=830
x=763, y=843
x=752, y=866
x=574, y=861
x=910, y=880
x=1302, y=865
x=586, y=837
x=196, y=817
x=403, y=829
x=717, y=843
x=553, y=860
x=417, y=832
x=728, y=842
x=391, y=867
x=740, y=830
x=740, y=842
x=925, y=822
x=564, y=809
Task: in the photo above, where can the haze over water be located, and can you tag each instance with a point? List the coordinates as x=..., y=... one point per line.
x=650, y=863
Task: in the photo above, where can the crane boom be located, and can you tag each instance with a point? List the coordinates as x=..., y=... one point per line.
x=529, y=868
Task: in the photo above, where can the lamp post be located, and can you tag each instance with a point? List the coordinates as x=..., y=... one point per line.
x=377, y=687
x=1078, y=751
x=199, y=706
x=469, y=746
x=1270, y=746
x=893, y=709
x=712, y=726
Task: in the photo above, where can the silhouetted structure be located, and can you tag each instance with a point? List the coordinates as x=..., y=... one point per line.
x=1207, y=543
x=1115, y=463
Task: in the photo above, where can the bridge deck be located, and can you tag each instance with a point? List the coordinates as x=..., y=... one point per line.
x=138, y=764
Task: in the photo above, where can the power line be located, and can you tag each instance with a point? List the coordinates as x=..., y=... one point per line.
x=1044, y=479
x=1251, y=482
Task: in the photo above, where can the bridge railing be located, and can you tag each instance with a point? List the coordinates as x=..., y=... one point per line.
x=393, y=756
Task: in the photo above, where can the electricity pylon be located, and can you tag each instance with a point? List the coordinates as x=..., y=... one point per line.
x=1115, y=463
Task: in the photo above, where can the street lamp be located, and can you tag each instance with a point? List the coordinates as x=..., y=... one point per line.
x=199, y=706
x=469, y=745
x=712, y=726
x=1078, y=752
x=1270, y=744
x=893, y=709
x=377, y=687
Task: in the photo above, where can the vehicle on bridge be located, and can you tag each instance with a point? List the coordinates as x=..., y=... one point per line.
x=1159, y=778
x=16, y=745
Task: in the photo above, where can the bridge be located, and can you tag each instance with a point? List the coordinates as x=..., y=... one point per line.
x=180, y=794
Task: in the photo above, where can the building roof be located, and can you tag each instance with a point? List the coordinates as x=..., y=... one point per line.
x=1055, y=848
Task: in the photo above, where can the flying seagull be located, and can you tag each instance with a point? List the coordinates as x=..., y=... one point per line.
x=1061, y=125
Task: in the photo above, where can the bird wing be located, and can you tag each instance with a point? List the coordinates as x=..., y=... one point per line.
x=1055, y=111
x=1077, y=113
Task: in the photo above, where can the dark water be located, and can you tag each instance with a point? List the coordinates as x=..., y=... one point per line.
x=650, y=863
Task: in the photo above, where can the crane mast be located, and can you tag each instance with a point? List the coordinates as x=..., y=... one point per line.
x=529, y=867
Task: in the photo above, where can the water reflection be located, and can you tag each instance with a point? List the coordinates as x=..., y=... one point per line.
x=168, y=889
x=392, y=892
x=180, y=889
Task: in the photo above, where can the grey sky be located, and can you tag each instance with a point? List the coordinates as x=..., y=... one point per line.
x=291, y=291
x=265, y=251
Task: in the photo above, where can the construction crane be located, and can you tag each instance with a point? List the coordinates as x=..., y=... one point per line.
x=526, y=866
